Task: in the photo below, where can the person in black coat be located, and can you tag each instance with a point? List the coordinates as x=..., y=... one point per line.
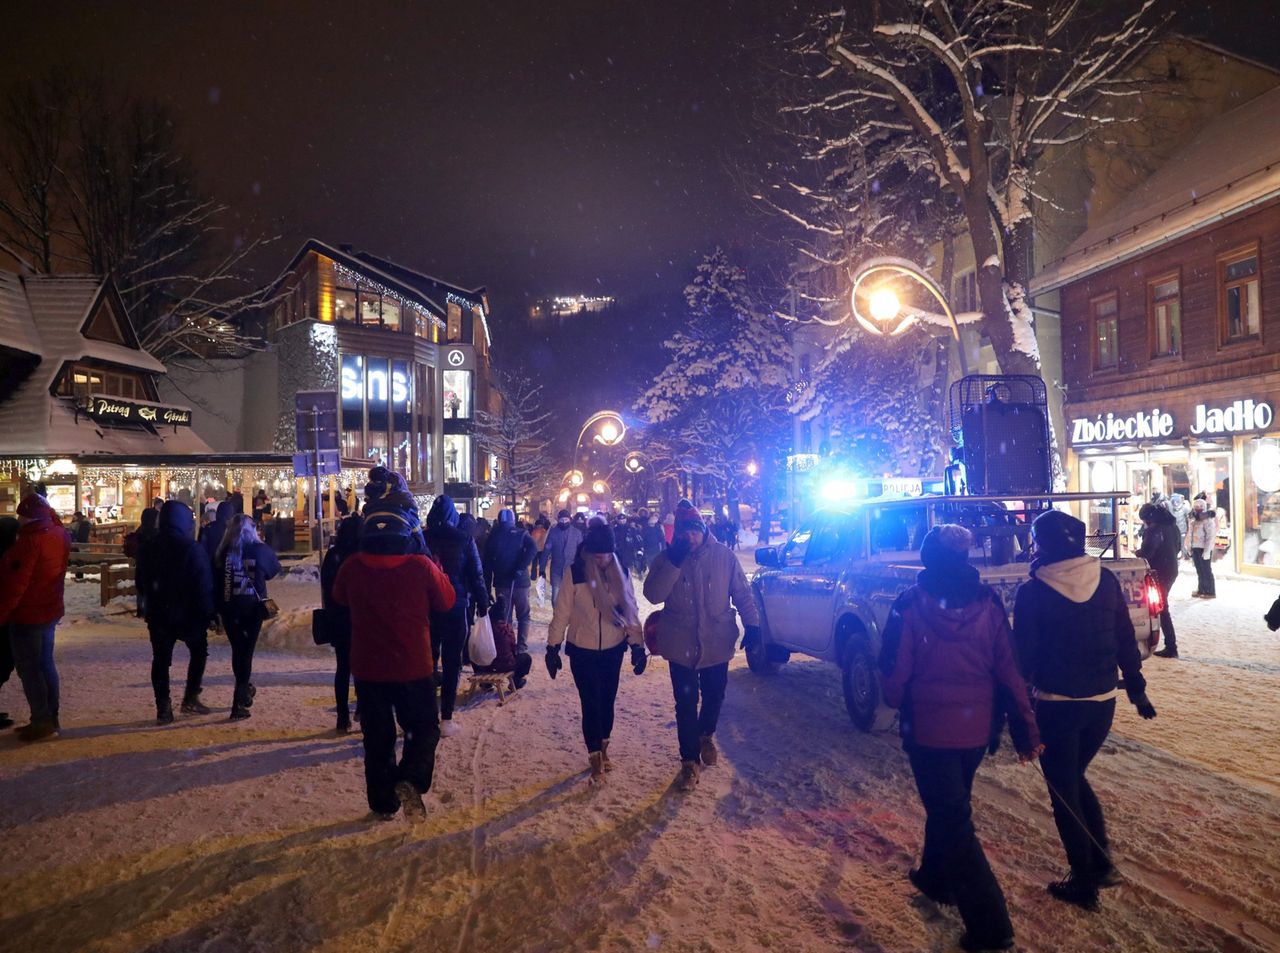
x=1071, y=632
x=175, y=589
x=211, y=534
x=456, y=550
x=1161, y=543
x=8, y=536
x=387, y=494
x=243, y=566
x=346, y=542
x=508, y=554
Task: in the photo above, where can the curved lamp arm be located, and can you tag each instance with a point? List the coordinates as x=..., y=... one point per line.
x=898, y=266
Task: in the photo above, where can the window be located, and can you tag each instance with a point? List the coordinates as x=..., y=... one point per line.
x=793, y=552
x=1239, y=300
x=81, y=381
x=1106, y=332
x=1165, y=305
x=830, y=542
x=457, y=458
x=454, y=332
x=964, y=293
x=344, y=304
x=457, y=395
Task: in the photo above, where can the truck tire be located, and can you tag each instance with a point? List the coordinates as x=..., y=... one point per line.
x=759, y=659
x=861, y=685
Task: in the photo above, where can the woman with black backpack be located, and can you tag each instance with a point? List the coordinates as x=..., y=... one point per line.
x=243, y=566
x=345, y=544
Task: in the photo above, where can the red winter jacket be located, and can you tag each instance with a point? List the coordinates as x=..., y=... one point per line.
x=949, y=664
x=390, y=598
x=34, y=569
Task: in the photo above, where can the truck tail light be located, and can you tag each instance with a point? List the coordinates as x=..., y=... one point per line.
x=1154, y=597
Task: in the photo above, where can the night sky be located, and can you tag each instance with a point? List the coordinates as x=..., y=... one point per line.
x=536, y=148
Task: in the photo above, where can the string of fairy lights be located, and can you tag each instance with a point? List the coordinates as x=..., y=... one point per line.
x=361, y=281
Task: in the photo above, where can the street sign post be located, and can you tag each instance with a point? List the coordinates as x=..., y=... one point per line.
x=316, y=428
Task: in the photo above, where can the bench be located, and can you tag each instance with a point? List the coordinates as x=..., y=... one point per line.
x=83, y=554
x=499, y=682
x=111, y=579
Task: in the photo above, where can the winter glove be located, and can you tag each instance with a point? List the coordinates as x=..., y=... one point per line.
x=639, y=659
x=1144, y=706
x=553, y=661
x=751, y=634
x=678, y=550
x=1272, y=618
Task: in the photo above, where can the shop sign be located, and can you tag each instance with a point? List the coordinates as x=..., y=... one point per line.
x=118, y=411
x=459, y=357
x=1111, y=428
x=902, y=486
x=1241, y=416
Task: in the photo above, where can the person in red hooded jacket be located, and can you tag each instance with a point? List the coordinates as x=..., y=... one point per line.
x=31, y=583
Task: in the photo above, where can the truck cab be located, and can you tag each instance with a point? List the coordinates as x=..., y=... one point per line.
x=827, y=591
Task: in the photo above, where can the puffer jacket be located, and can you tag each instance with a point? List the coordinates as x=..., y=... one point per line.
x=173, y=576
x=1203, y=533
x=698, y=627
x=33, y=570
x=458, y=557
x=211, y=535
x=576, y=618
x=561, y=548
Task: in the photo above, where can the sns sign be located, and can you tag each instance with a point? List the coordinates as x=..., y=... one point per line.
x=376, y=381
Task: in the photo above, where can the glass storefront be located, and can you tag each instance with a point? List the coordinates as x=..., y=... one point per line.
x=1260, y=515
x=457, y=458
x=457, y=395
x=386, y=413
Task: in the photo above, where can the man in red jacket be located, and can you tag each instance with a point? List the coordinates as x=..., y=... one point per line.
x=391, y=593
x=31, y=582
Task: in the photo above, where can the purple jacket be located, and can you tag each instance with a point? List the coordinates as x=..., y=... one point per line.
x=949, y=664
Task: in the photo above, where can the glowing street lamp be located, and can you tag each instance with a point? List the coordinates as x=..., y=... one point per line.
x=634, y=462
x=599, y=488
x=574, y=478
x=611, y=428
x=883, y=300
x=752, y=468
x=564, y=495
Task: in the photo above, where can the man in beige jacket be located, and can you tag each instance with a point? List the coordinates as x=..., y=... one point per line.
x=695, y=579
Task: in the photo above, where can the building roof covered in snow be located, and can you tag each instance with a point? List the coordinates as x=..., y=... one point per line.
x=1232, y=165
x=53, y=322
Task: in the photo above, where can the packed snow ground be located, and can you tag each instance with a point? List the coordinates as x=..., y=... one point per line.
x=218, y=836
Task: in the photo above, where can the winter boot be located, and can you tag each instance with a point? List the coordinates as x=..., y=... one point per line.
x=604, y=755
x=707, y=752
x=411, y=801
x=688, y=777
x=1168, y=651
x=1078, y=891
x=939, y=893
x=164, y=712
x=250, y=695
x=344, y=721
x=37, y=730
x=597, y=767
x=975, y=944
x=192, y=705
x=239, y=704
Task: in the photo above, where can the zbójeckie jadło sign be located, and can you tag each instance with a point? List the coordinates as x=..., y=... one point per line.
x=1242, y=416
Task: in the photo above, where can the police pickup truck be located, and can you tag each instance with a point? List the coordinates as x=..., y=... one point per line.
x=827, y=591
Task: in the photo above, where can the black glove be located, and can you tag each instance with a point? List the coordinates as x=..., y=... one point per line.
x=1144, y=706
x=639, y=659
x=751, y=633
x=553, y=660
x=678, y=550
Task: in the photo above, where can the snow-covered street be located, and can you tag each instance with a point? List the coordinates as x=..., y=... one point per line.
x=219, y=836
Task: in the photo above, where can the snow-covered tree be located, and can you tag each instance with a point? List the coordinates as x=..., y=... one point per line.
x=912, y=114
x=517, y=435
x=96, y=181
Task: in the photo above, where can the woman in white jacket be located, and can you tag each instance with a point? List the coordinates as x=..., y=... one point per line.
x=1201, y=538
x=596, y=612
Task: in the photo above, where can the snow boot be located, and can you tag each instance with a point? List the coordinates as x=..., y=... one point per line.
x=411, y=801
x=192, y=705
x=977, y=944
x=597, y=767
x=688, y=777
x=707, y=752
x=604, y=755
x=164, y=712
x=1166, y=652
x=344, y=722
x=37, y=730
x=939, y=893
x=239, y=704
x=1075, y=890
x=251, y=693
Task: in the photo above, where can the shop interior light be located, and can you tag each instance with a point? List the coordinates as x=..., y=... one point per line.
x=1265, y=468
x=1102, y=477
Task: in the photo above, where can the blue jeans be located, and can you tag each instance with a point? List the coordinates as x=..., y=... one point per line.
x=693, y=724
x=33, y=658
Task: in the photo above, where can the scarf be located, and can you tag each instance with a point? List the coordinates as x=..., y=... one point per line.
x=614, y=599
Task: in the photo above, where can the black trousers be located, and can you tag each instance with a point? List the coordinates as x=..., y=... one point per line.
x=342, y=674
x=953, y=856
x=162, y=642
x=1166, y=620
x=382, y=705
x=1204, y=571
x=1072, y=733
x=596, y=675
x=692, y=723
x=448, y=637
x=243, y=624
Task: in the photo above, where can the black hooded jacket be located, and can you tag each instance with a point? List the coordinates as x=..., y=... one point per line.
x=459, y=558
x=173, y=574
x=1160, y=545
x=508, y=553
x=211, y=535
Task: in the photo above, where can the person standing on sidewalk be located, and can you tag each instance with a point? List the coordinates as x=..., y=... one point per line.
x=695, y=579
x=244, y=565
x=31, y=587
x=946, y=655
x=596, y=614
x=392, y=595
x=508, y=553
x=1160, y=545
x=1071, y=632
x=175, y=587
x=345, y=544
x=1201, y=538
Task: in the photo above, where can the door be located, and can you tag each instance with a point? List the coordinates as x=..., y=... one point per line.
x=777, y=588
x=813, y=584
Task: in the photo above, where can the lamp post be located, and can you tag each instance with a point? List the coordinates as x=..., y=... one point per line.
x=886, y=318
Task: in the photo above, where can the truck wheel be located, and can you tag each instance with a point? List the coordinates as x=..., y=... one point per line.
x=861, y=689
x=759, y=659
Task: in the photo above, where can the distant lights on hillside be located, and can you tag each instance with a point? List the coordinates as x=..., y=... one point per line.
x=564, y=306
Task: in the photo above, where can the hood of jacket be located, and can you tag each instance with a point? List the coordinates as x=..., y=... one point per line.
x=951, y=623
x=226, y=509
x=1076, y=578
x=176, y=519
x=443, y=512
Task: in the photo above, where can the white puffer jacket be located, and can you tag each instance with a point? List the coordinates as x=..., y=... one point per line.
x=1203, y=533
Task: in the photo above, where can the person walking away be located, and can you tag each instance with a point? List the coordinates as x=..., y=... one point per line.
x=1071, y=632
x=148, y=527
x=212, y=534
x=9, y=527
x=244, y=564
x=345, y=545
x=561, y=547
x=1202, y=536
x=694, y=580
x=1160, y=545
x=175, y=586
x=596, y=613
x=455, y=550
x=32, y=577
x=508, y=554
x=392, y=594
x=945, y=655
x=387, y=494
x=1181, y=511
x=655, y=540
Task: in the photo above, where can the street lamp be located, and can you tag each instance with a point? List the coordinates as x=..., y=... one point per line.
x=884, y=305
x=612, y=429
x=574, y=478
x=599, y=487
x=633, y=462
x=752, y=468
